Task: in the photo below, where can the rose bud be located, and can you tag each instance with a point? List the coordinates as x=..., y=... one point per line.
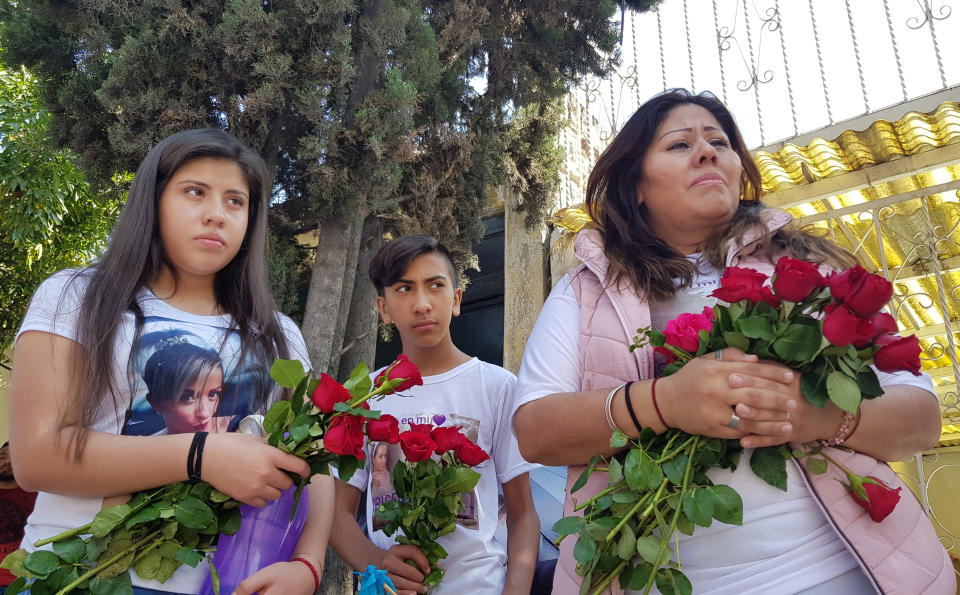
x=862, y=291
x=448, y=438
x=345, y=436
x=795, y=279
x=417, y=446
x=883, y=323
x=897, y=353
x=425, y=429
x=842, y=327
x=881, y=498
x=401, y=368
x=328, y=393
x=471, y=454
x=385, y=429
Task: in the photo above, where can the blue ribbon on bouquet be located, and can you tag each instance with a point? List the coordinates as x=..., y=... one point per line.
x=374, y=581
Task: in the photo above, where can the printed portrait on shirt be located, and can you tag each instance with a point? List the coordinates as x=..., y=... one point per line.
x=184, y=382
x=383, y=458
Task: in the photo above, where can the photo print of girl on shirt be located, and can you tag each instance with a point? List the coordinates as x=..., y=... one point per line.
x=384, y=457
x=184, y=382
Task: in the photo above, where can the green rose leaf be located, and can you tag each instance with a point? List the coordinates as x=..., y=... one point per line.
x=585, y=549
x=192, y=513
x=728, y=506
x=148, y=565
x=189, y=556
x=640, y=471
x=674, y=468
x=868, y=384
x=648, y=547
x=770, y=466
x=359, y=383
x=42, y=563
x=671, y=581
x=641, y=576
x=568, y=525
x=71, y=550
x=287, y=372
x=582, y=480
x=230, y=521
x=738, y=340
x=108, y=519
x=756, y=327
x=347, y=466
x=276, y=417
x=627, y=546
x=799, y=343
x=817, y=465
x=843, y=391
x=814, y=388
x=698, y=505
x=14, y=562
x=618, y=439
x=615, y=472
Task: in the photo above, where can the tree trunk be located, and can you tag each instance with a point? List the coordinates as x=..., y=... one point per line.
x=331, y=289
x=360, y=336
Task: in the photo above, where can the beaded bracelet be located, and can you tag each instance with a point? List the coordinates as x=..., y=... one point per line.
x=844, y=431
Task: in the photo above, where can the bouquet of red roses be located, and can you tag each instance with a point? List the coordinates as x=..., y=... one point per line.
x=160, y=529
x=430, y=485
x=830, y=329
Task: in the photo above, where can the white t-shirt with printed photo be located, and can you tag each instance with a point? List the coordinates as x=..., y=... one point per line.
x=478, y=397
x=171, y=341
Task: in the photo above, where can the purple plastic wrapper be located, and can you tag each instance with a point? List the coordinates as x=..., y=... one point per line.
x=267, y=535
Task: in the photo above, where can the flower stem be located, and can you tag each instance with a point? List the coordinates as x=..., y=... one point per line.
x=606, y=491
x=613, y=532
x=103, y=565
x=674, y=452
x=609, y=578
x=65, y=535
x=665, y=538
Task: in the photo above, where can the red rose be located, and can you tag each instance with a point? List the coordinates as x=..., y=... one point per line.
x=401, y=368
x=897, y=353
x=345, y=436
x=385, y=429
x=471, y=454
x=328, y=393
x=417, y=446
x=882, y=499
x=795, y=279
x=883, y=323
x=448, y=438
x=684, y=330
x=744, y=284
x=862, y=291
x=843, y=327
x=425, y=429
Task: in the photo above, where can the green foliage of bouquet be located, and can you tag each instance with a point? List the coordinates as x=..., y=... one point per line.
x=430, y=484
x=829, y=329
x=160, y=529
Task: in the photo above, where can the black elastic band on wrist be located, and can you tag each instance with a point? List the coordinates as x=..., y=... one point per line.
x=633, y=414
x=195, y=457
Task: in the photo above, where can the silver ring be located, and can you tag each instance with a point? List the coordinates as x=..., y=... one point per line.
x=719, y=355
x=734, y=420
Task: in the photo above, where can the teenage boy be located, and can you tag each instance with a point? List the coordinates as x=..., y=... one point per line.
x=418, y=291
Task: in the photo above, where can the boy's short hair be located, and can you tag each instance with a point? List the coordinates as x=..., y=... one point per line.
x=393, y=259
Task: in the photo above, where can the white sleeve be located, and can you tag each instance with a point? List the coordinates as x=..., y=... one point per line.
x=551, y=358
x=506, y=452
x=922, y=381
x=55, y=305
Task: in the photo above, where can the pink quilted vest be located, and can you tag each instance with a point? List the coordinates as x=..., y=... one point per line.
x=901, y=555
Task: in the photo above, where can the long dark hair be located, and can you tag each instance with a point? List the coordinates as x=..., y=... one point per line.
x=135, y=256
x=635, y=253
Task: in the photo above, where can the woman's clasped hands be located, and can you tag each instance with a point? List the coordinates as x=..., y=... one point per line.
x=735, y=396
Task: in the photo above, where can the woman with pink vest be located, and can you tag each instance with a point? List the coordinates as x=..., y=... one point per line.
x=676, y=198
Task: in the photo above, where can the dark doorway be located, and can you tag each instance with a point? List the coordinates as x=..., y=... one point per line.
x=479, y=328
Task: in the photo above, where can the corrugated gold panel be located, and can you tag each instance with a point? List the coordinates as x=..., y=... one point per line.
x=883, y=141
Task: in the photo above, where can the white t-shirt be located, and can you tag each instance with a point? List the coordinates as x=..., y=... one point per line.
x=170, y=341
x=478, y=397
x=791, y=545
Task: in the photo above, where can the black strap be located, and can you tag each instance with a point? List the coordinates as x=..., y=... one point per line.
x=633, y=414
x=195, y=457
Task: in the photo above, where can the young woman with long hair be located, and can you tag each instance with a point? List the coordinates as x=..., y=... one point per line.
x=186, y=260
